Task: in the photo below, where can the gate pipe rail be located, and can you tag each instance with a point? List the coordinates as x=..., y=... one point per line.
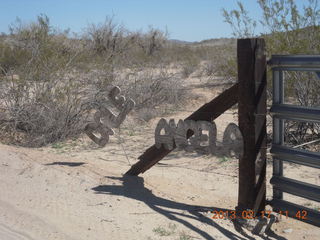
x=281, y=112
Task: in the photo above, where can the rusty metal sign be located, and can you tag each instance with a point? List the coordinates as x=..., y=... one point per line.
x=105, y=119
x=203, y=140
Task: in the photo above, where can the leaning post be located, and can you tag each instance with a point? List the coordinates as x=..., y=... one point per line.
x=252, y=108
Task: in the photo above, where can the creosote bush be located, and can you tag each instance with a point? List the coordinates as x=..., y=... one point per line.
x=51, y=82
x=42, y=102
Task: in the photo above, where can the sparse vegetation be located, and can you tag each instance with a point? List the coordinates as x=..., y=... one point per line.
x=51, y=81
x=184, y=236
x=161, y=231
x=224, y=159
x=287, y=30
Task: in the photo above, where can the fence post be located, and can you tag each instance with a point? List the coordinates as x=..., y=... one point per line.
x=252, y=123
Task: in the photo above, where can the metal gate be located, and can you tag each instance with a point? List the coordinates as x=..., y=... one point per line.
x=282, y=111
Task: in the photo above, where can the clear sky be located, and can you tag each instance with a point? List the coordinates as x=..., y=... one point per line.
x=189, y=20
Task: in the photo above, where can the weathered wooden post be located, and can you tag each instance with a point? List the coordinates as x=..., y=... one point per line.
x=252, y=123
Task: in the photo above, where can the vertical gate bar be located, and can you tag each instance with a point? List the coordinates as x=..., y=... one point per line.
x=278, y=126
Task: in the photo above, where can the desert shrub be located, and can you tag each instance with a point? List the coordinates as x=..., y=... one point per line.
x=42, y=112
x=146, y=49
x=11, y=58
x=151, y=87
x=174, y=52
x=52, y=83
x=189, y=65
x=216, y=58
x=303, y=90
x=51, y=114
x=288, y=30
x=225, y=62
x=209, y=68
x=45, y=102
x=109, y=42
x=152, y=42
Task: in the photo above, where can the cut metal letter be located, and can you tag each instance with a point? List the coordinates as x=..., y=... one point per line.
x=166, y=139
x=105, y=120
x=209, y=139
x=194, y=141
x=233, y=141
x=104, y=132
x=116, y=99
x=180, y=136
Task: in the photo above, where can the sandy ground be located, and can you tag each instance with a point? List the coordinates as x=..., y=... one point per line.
x=75, y=190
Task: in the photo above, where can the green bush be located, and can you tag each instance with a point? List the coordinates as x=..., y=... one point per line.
x=288, y=30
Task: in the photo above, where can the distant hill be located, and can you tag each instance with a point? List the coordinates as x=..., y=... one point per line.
x=208, y=42
x=176, y=41
x=217, y=42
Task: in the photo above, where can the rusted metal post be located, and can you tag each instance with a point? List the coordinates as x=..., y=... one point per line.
x=252, y=110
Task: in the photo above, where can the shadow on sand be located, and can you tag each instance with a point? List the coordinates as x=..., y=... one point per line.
x=69, y=164
x=133, y=187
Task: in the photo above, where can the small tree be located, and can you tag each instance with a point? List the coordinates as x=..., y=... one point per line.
x=152, y=41
x=287, y=30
